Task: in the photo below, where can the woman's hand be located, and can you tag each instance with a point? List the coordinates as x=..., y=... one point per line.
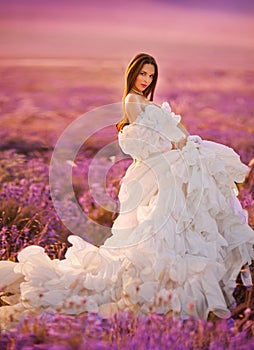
x=195, y=138
x=180, y=144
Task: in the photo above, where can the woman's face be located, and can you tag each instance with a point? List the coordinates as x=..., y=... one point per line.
x=145, y=77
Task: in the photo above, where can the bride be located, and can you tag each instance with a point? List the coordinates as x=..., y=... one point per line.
x=179, y=241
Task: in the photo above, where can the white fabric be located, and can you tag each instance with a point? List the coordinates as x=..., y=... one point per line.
x=177, y=245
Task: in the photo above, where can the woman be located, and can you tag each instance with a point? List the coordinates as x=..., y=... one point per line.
x=179, y=241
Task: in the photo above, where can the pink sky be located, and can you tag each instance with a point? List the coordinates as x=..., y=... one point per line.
x=74, y=31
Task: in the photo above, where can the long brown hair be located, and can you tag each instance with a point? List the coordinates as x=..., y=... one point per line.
x=133, y=69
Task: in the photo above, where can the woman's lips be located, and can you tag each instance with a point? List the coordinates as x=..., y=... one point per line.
x=144, y=85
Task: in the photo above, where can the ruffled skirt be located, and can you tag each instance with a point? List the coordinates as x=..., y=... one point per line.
x=177, y=245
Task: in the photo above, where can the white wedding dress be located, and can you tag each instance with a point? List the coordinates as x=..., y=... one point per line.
x=177, y=245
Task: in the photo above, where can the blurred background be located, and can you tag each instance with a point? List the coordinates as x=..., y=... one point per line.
x=178, y=32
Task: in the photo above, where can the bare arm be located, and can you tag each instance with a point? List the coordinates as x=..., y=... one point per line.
x=183, y=129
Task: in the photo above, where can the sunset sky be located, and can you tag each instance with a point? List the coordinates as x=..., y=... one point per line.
x=176, y=32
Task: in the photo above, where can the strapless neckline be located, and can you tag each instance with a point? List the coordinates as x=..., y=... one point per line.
x=154, y=104
x=144, y=110
x=151, y=104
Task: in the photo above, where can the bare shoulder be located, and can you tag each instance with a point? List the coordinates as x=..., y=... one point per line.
x=133, y=98
x=137, y=99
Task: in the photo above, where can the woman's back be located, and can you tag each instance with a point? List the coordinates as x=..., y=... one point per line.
x=134, y=104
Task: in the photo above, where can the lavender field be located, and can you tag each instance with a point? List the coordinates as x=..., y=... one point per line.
x=46, y=85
